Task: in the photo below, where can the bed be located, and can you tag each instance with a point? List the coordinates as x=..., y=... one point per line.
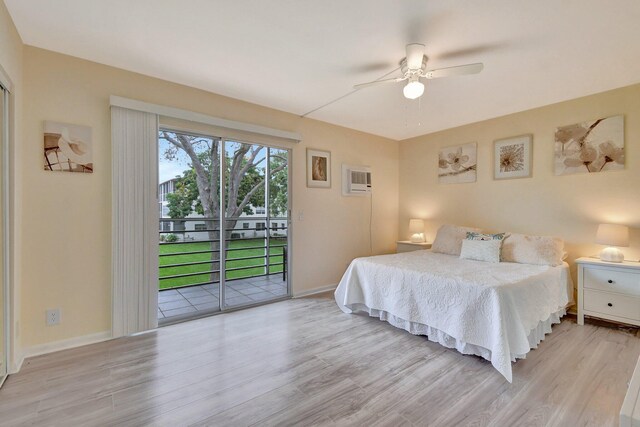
x=498, y=311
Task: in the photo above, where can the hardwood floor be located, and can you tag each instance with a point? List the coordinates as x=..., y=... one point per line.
x=303, y=362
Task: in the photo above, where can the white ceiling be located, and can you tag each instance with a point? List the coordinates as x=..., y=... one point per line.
x=296, y=55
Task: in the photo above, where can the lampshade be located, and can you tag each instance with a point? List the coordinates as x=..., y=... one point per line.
x=414, y=89
x=612, y=235
x=416, y=225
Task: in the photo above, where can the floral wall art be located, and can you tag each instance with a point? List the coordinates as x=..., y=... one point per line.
x=457, y=164
x=512, y=157
x=594, y=146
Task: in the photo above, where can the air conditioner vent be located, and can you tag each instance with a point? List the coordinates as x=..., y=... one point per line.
x=356, y=180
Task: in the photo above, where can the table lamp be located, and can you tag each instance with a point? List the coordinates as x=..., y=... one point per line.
x=416, y=227
x=612, y=235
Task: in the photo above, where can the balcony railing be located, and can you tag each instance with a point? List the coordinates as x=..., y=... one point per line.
x=191, y=257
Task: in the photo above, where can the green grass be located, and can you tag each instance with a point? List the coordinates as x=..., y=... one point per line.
x=236, y=252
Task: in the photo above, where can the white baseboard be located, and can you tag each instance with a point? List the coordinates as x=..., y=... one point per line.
x=15, y=367
x=38, y=350
x=314, y=291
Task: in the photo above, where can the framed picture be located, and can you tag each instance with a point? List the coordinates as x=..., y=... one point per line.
x=588, y=147
x=457, y=164
x=318, y=168
x=512, y=157
x=67, y=148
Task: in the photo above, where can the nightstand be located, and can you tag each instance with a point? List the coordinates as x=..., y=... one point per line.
x=609, y=290
x=408, y=246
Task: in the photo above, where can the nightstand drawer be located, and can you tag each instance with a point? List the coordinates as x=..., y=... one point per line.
x=612, y=304
x=604, y=279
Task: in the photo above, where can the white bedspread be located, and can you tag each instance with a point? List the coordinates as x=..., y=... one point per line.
x=497, y=311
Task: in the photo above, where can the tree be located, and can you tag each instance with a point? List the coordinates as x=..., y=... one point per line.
x=278, y=186
x=199, y=188
x=184, y=199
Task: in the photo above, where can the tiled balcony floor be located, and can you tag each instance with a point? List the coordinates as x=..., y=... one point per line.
x=178, y=302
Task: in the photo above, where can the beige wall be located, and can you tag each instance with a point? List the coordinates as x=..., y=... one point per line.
x=63, y=223
x=568, y=206
x=67, y=217
x=10, y=46
x=11, y=62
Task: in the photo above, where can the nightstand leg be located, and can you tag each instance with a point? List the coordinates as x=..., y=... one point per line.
x=580, y=318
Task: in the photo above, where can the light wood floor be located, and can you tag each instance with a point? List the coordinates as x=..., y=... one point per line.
x=303, y=362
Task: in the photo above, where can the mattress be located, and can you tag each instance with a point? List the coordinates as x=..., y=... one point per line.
x=498, y=311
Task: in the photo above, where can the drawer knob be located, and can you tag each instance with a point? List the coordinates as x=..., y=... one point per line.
x=610, y=281
x=610, y=305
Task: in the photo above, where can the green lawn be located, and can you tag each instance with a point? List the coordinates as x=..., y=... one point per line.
x=236, y=252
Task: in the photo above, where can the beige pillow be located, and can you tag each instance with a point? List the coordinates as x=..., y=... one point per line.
x=481, y=250
x=538, y=250
x=449, y=239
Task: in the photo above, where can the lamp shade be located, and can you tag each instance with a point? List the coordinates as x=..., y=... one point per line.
x=612, y=235
x=416, y=225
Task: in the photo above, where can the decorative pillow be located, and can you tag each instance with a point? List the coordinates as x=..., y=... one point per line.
x=471, y=235
x=538, y=250
x=449, y=239
x=481, y=250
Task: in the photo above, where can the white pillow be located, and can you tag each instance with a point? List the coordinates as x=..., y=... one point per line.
x=538, y=250
x=449, y=239
x=481, y=250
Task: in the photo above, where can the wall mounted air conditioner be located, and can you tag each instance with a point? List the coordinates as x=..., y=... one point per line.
x=356, y=180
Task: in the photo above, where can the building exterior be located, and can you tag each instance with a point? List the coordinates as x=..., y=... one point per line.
x=191, y=228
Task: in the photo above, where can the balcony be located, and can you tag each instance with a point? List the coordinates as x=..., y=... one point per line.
x=193, y=299
x=191, y=263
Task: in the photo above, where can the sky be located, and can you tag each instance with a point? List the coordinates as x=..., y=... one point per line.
x=168, y=169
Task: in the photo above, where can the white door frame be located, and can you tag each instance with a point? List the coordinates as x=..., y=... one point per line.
x=6, y=229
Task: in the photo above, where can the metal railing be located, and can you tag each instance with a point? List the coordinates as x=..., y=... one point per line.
x=191, y=257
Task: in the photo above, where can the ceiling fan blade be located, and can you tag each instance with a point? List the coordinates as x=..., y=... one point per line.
x=470, y=50
x=377, y=82
x=371, y=67
x=459, y=70
x=415, y=52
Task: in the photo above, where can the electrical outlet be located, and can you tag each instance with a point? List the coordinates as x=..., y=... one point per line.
x=53, y=317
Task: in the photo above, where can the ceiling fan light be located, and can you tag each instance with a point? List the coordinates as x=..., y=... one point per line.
x=414, y=89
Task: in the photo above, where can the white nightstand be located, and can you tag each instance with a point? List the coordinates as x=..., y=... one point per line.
x=609, y=290
x=408, y=246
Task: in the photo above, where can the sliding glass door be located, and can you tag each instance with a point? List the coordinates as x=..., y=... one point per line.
x=189, y=229
x=221, y=246
x=256, y=227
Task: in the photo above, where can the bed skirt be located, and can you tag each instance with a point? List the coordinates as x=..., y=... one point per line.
x=536, y=335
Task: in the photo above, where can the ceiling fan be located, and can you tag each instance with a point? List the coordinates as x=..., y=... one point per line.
x=414, y=67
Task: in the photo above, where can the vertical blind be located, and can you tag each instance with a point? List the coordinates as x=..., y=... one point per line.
x=134, y=136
